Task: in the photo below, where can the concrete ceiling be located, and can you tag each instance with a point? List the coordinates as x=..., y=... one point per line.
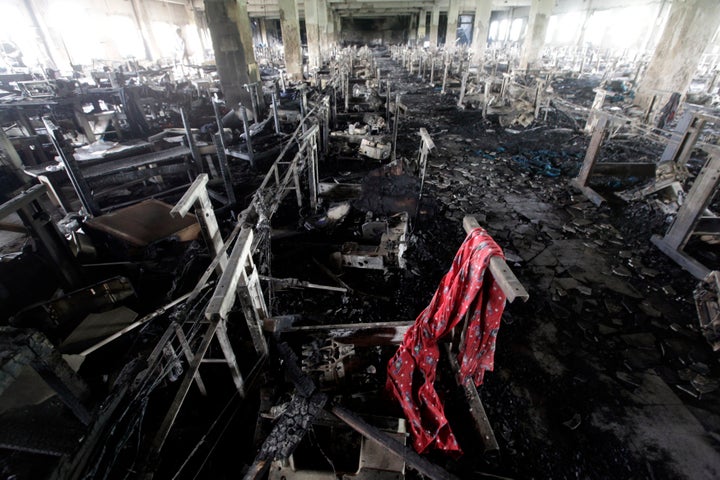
x=377, y=8
x=385, y=8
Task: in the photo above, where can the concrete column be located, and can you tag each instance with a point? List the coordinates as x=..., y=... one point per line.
x=263, y=31
x=581, y=32
x=657, y=28
x=323, y=25
x=237, y=10
x=481, y=25
x=688, y=30
x=290, y=27
x=412, y=31
x=540, y=11
x=338, y=28
x=422, y=19
x=331, y=33
x=451, y=34
x=434, y=23
x=312, y=31
x=152, y=52
x=229, y=53
x=59, y=58
x=193, y=21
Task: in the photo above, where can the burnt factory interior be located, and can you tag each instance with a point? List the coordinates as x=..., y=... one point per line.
x=359, y=239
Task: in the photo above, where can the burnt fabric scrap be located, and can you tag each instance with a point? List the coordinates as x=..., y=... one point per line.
x=468, y=287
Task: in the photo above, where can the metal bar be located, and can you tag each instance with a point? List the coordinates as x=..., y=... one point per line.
x=275, y=113
x=22, y=200
x=218, y=120
x=197, y=196
x=506, y=279
x=189, y=357
x=279, y=324
x=387, y=103
x=229, y=354
x=313, y=171
x=463, y=84
x=197, y=158
x=136, y=324
x=347, y=92
x=187, y=201
x=396, y=125
x=73, y=170
x=692, y=209
x=591, y=156
x=248, y=141
x=51, y=242
x=224, y=168
x=426, y=144
x=224, y=295
x=162, y=432
x=426, y=138
x=425, y=467
x=445, y=75
x=252, y=89
x=294, y=282
x=477, y=410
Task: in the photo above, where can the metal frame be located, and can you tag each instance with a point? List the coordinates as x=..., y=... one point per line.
x=197, y=197
x=43, y=229
x=426, y=145
x=595, y=110
x=591, y=166
x=672, y=166
x=79, y=176
x=692, y=219
x=463, y=84
x=238, y=275
x=35, y=350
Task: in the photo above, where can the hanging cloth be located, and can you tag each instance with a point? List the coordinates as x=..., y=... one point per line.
x=467, y=287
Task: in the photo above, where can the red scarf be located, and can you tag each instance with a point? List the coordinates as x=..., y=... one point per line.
x=467, y=287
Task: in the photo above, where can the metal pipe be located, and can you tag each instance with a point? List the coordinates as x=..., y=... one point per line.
x=248, y=142
x=275, y=113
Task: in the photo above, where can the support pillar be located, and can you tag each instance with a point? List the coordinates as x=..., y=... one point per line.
x=657, y=28
x=323, y=20
x=481, y=25
x=338, y=28
x=412, y=31
x=452, y=19
x=152, y=52
x=422, y=21
x=194, y=21
x=434, y=23
x=59, y=58
x=691, y=25
x=331, y=33
x=290, y=27
x=263, y=31
x=229, y=53
x=237, y=10
x=313, y=33
x=581, y=32
x=540, y=11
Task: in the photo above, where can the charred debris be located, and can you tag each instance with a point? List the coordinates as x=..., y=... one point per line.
x=195, y=290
